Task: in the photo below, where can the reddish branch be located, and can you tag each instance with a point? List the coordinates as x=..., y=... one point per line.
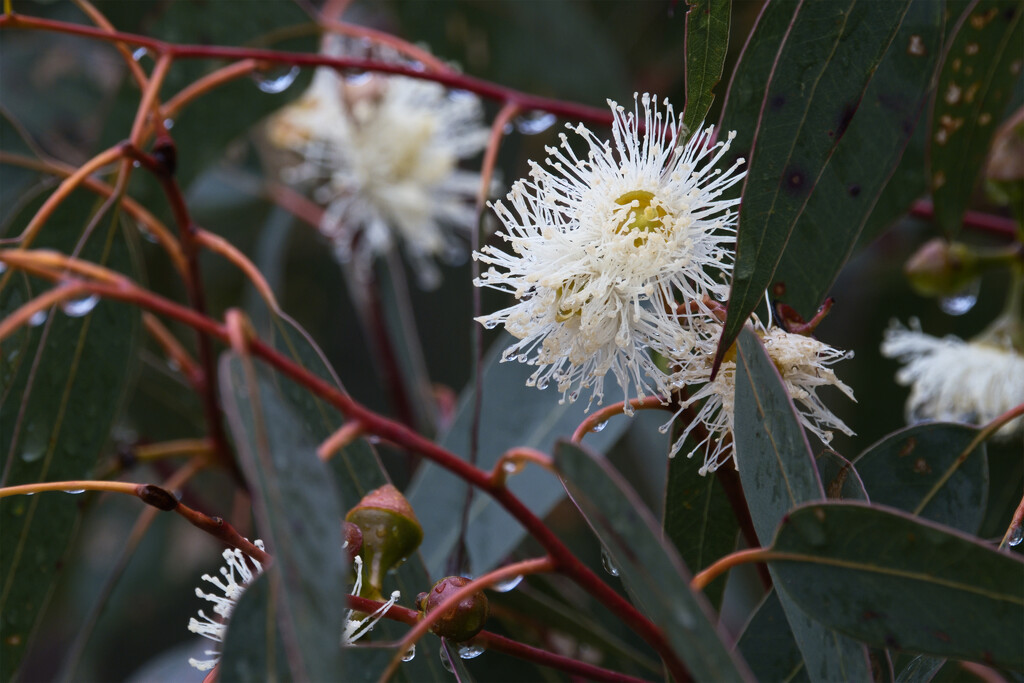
x=564, y=560
x=525, y=101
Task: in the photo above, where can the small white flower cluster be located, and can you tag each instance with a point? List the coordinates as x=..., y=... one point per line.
x=239, y=571
x=237, y=574
x=803, y=363
x=382, y=154
x=955, y=380
x=619, y=256
x=602, y=245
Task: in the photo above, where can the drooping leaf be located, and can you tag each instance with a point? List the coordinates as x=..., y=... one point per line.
x=62, y=383
x=975, y=84
x=778, y=472
x=698, y=518
x=811, y=91
x=652, y=571
x=896, y=581
x=298, y=515
x=901, y=469
x=851, y=181
x=767, y=643
x=707, y=41
x=513, y=414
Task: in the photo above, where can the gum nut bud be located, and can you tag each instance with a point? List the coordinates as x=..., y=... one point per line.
x=353, y=540
x=461, y=621
x=390, y=531
x=941, y=268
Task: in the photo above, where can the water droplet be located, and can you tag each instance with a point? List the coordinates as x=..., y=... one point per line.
x=511, y=466
x=32, y=454
x=410, y=653
x=139, y=54
x=470, y=651
x=76, y=308
x=962, y=301
x=358, y=78
x=445, y=662
x=504, y=587
x=168, y=123
x=173, y=365
x=74, y=492
x=37, y=319
x=147, y=234
x=275, y=82
x=606, y=562
x=3, y=268
x=599, y=427
x=1016, y=536
x=373, y=439
x=534, y=122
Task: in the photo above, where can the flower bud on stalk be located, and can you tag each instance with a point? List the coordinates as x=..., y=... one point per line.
x=390, y=533
x=461, y=621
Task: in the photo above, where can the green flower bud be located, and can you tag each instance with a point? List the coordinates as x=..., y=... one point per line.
x=941, y=268
x=461, y=621
x=390, y=532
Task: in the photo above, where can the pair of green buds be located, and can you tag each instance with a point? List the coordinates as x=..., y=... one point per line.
x=383, y=530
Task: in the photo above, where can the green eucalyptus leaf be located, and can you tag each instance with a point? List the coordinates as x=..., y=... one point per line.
x=902, y=469
x=707, y=42
x=976, y=82
x=895, y=581
x=839, y=477
x=767, y=643
x=699, y=519
x=652, y=571
x=921, y=669
x=812, y=89
x=852, y=179
x=298, y=513
x=778, y=472
x=253, y=648
x=512, y=415
x=62, y=384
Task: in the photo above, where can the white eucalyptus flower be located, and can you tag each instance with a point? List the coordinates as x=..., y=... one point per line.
x=235, y=576
x=602, y=245
x=382, y=154
x=804, y=364
x=357, y=628
x=955, y=380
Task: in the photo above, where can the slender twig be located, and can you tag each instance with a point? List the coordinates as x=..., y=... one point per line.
x=533, y=566
x=448, y=78
x=973, y=220
x=507, y=113
x=348, y=433
x=176, y=353
x=565, y=561
x=101, y=21
x=496, y=643
x=209, y=82
x=222, y=247
x=704, y=577
x=594, y=421
x=190, y=448
x=513, y=460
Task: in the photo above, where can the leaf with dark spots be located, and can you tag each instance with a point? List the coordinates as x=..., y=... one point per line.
x=902, y=469
x=873, y=134
x=975, y=84
x=821, y=63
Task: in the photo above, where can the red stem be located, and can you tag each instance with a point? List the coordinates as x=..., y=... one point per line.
x=496, y=643
x=565, y=562
x=975, y=220
x=526, y=101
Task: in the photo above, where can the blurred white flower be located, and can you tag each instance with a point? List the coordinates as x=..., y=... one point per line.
x=382, y=154
x=803, y=362
x=602, y=245
x=955, y=380
x=238, y=572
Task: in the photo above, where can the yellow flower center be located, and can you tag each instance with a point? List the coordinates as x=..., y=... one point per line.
x=642, y=216
x=563, y=312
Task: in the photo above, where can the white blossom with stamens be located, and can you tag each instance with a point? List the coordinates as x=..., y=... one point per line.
x=235, y=576
x=802, y=361
x=955, y=380
x=601, y=245
x=382, y=154
x=357, y=628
